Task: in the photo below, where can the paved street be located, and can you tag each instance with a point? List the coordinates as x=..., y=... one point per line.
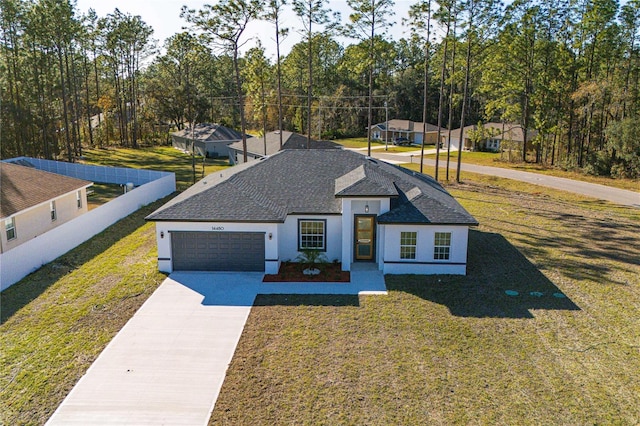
x=601, y=192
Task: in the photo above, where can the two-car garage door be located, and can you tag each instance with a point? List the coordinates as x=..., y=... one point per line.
x=217, y=251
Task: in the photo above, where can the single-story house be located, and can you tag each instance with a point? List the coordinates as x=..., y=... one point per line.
x=492, y=136
x=33, y=202
x=211, y=140
x=412, y=130
x=260, y=147
x=351, y=207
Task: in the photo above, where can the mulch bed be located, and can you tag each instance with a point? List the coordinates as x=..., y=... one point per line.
x=292, y=272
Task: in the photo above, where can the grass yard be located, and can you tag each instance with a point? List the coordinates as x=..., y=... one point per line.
x=165, y=158
x=56, y=321
x=458, y=350
x=99, y=194
x=362, y=143
x=357, y=142
x=493, y=160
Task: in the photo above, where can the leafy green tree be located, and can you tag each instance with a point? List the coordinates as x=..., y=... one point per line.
x=368, y=19
x=630, y=28
x=273, y=14
x=257, y=73
x=126, y=43
x=624, y=145
x=174, y=80
x=420, y=18
x=223, y=24
x=312, y=12
x=479, y=23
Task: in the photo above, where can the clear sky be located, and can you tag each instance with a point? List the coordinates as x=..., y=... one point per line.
x=164, y=17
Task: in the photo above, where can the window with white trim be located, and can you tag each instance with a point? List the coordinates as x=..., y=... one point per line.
x=312, y=234
x=408, y=242
x=79, y=199
x=10, y=228
x=442, y=246
x=52, y=208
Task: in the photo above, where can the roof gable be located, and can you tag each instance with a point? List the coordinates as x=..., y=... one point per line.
x=22, y=187
x=365, y=181
x=209, y=133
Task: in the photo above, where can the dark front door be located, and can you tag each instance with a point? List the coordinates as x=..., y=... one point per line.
x=365, y=237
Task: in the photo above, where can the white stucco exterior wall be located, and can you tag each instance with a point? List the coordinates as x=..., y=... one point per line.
x=424, y=262
x=163, y=237
x=288, y=236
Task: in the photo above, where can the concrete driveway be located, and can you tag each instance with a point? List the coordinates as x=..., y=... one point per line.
x=167, y=364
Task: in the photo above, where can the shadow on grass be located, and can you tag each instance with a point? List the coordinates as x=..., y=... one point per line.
x=494, y=267
x=33, y=285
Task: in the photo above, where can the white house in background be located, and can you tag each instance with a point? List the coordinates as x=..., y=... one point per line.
x=353, y=208
x=34, y=202
x=412, y=130
x=211, y=140
x=492, y=136
x=260, y=147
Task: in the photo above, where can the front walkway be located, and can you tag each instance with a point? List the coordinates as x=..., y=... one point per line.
x=167, y=364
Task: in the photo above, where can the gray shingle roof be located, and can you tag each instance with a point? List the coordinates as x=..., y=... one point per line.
x=209, y=133
x=312, y=182
x=290, y=140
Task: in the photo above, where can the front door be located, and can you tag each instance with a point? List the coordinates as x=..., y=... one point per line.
x=365, y=237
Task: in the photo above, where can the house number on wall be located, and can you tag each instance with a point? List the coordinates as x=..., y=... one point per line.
x=217, y=228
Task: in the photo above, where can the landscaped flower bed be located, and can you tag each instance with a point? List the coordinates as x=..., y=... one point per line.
x=293, y=272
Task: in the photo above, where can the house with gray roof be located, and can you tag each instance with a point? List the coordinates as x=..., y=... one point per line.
x=260, y=147
x=353, y=208
x=211, y=140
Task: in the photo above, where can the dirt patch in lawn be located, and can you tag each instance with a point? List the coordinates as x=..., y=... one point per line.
x=293, y=272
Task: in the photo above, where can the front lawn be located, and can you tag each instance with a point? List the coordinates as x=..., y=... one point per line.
x=459, y=350
x=358, y=142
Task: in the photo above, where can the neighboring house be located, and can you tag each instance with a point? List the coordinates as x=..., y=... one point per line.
x=388, y=131
x=211, y=140
x=260, y=147
x=492, y=136
x=353, y=208
x=34, y=202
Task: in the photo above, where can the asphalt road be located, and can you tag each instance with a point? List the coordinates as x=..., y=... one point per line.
x=601, y=192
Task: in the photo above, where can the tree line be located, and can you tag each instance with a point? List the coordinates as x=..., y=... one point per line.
x=567, y=72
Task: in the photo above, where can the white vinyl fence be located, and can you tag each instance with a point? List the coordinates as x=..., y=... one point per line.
x=30, y=256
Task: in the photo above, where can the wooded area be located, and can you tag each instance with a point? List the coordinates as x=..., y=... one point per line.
x=568, y=70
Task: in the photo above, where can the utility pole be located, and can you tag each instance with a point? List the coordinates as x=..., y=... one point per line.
x=386, y=127
x=193, y=149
